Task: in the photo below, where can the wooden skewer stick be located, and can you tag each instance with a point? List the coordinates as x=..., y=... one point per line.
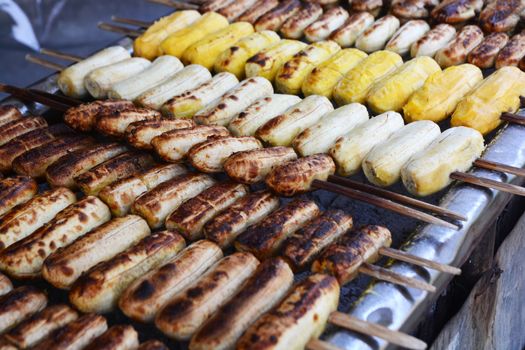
x=132, y=33
x=416, y=260
x=382, y=203
x=395, y=196
x=388, y=276
x=318, y=344
x=179, y=5
x=44, y=63
x=59, y=98
x=61, y=55
x=27, y=95
x=490, y=165
x=513, y=118
x=393, y=337
x=488, y=183
x=131, y=21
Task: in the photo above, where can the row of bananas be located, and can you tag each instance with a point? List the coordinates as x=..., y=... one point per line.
x=493, y=16
x=210, y=41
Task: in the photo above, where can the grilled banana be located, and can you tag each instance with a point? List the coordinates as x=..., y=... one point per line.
x=63, y=267
x=209, y=156
x=189, y=78
x=214, y=5
x=64, y=171
x=120, y=195
x=26, y=142
x=177, y=43
x=152, y=345
x=173, y=146
x=330, y=21
x=274, y=19
x=300, y=317
x=158, y=72
x=114, y=169
x=378, y=34
x=206, y=51
x=256, y=115
x=143, y=299
x=245, y=212
x=20, y=127
x=441, y=93
x=291, y=75
x=237, y=8
x=235, y=101
x=9, y=113
x=19, y=304
x=281, y=130
x=320, y=137
x=71, y=80
x=156, y=204
x=393, y=92
x=31, y=331
x=498, y=93
x=190, y=218
x=350, y=150
x=303, y=246
x=265, y=288
x=257, y=10
x=189, y=309
x=36, y=161
x=117, y=337
x=382, y=165
x=84, y=116
x=433, y=41
x=356, y=84
x=252, y=166
x=76, y=334
x=323, y=79
x=266, y=237
x=100, y=288
x=267, y=62
x=454, y=150
x=234, y=59
x=406, y=36
x=484, y=55
x=501, y=15
x=187, y=104
x=294, y=26
x=15, y=191
x=456, y=11
x=457, y=50
x=115, y=124
x=102, y=79
x=140, y=134
x=148, y=44
x=296, y=176
x=27, y=218
x=513, y=52
x=26, y=257
x=355, y=25
x=343, y=259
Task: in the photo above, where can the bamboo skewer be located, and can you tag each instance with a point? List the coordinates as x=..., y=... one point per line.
x=179, y=5
x=388, y=276
x=61, y=55
x=382, y=203
x=488, y=183
x=393, y=337
x=490, y=165
x=416, y=260
x=62, y=99
x=30, y=96
x=131, y=21
x=132, y=33
x=513, y=118
x=44, y=63
x=395, y=196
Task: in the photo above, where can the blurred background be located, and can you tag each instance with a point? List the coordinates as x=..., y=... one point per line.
x=65, y=25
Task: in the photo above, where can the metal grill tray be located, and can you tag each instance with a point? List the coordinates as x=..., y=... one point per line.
x=396, y=307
